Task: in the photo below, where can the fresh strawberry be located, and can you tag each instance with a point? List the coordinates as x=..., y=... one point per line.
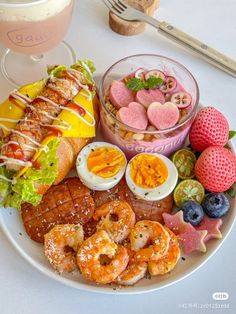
x=216, y=169
x=210, y=128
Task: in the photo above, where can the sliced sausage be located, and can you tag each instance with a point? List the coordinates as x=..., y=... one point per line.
x=147, y=96
x=163, y=116
x=134, y=115
x=120, y=95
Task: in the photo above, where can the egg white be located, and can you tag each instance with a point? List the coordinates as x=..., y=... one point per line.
x=160, y=192
x=91, y=180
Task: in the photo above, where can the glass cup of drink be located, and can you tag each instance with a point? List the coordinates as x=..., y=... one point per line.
x=33, y=32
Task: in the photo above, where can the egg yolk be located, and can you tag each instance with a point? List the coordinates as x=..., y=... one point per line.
x=105, y=162
x=148, y=171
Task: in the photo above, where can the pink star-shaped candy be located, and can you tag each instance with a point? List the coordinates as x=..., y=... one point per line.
x=175, y=222
x=212, y=226
x=192, y=239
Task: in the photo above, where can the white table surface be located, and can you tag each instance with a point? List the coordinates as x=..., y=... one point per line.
x=25, y=291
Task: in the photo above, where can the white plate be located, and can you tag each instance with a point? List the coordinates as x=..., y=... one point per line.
x=11, y=223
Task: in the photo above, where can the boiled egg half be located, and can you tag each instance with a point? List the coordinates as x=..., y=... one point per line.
x=100, y=166
x=151, y=177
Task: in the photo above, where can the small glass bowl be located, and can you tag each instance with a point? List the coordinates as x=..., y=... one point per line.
x=133, y=141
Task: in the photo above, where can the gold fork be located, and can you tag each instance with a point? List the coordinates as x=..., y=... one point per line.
x=212, y=56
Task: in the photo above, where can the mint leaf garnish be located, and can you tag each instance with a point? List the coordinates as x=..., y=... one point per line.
x=152, y=82
x=231, y=134
x=135, y=84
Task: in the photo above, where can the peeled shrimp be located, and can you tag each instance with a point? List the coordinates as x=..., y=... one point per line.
x=150, y=240
x=118, y=230
x=61, y=244
x=166, y=263
x=89, y=258
x=134, y=272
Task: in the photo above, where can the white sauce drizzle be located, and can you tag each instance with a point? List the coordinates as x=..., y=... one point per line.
x=44, y=147
x=72, y=76
x=85, y=87
x=58, y=126
x=74, y=90
x=17, y=93
x=80, y=117
x=8, y=180
x=56, y=89
x=10, y=143
x=47, y=100
x=26, y=101
x=63, y=127
x=9, y=120
x=87, y=69
x=71, y=110
x=39, y=111
x=84, y=94
x=20, y=99
x=15, y=161
x=21, y=134
x=30, y=148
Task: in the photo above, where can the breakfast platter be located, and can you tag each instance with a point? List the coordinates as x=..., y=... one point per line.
x=124, y=188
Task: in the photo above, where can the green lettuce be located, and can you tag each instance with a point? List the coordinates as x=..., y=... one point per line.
x=4, y=185
x=24, y=189
x=56, y=70
x=86, y=67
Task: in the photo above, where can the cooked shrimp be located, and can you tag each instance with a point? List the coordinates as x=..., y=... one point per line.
x=150, y=240
x=61, y=244
x=134, y=272
x=118, y=230
x=89, y=258
x=167, y=262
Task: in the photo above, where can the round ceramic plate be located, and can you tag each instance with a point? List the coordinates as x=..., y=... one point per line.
x=11, y=223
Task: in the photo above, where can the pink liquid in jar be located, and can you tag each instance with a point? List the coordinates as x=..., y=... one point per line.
x=134, y=142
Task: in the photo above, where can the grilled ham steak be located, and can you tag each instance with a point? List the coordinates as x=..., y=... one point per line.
x=143, y=209
x=70, y=202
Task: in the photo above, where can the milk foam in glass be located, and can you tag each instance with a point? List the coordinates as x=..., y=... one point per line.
x=33, y=27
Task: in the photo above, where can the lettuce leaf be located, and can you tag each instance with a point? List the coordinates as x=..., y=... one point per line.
x=5, y=186
x=56, y=70
x=86, y=67
x=24, y=189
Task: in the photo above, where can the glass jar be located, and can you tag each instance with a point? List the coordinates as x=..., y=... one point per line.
x=133, y=141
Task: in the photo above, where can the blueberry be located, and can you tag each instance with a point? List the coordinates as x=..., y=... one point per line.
x=216, y=205
x=192, y=212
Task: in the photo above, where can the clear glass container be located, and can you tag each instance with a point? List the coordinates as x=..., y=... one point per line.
x=133, y=141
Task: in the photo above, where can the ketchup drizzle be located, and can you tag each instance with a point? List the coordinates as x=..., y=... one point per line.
x=76, y=107
x=13, y=100
x=53, y=131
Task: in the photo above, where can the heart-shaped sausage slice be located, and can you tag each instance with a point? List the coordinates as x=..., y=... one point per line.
x=148, y=96
x=134, y=116
x=163, y=116
x=120, y=95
